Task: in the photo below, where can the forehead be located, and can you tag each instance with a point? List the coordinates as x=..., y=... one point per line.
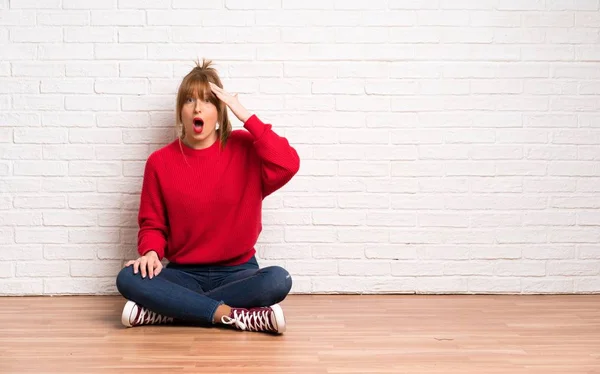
x=197, y=88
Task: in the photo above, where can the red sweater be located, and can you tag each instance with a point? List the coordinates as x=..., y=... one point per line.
x=208, y=210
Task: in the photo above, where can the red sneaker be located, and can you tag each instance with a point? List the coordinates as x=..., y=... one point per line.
x=136, y=315
x=267, y=319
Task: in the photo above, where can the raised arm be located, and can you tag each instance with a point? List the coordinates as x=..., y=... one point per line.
x=279, y=160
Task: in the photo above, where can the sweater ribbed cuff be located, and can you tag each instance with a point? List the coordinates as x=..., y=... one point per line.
x=255, y=126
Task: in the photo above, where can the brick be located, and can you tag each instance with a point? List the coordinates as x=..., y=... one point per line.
x=310, y=235
x=80, y=286
x=546, y=252
x=573, y=268
x=364, y=268
x=118, y=18
x=18, y=287
x=336, y=251
x=94, y=201
x=257, y=4
x=40, y=102
x=122, y=51
x=89, y=34
x=40, y=235
x=361, y=235
x=42, y=269
x=441, y=285
x=67, y=152
x=121, y=119
x=39, y=202
x=92, y=69
x=580, y=5
x=144, y=4
x=117, y=152
x=87, y=235
x=547, y=285
x=66, y=86
x=17, y=18
x=40, y=168
x=94, y=168
x=574, y=235
x=84, y=268
x=19, y=218
x=494, y=285
x=587, y=285
x=357, y=168
x=100, y=136
x=36, y=34
x=69, y=218
x=21, y=152
x=146, y=103
x=303, y=267
x=63, y=18
x=391, y=219
x=21, y=252
x=25, y=184
x=124, y=185
x=332, y=217
x=68, y=185
x=308, y=4
x=57, y=51
x=146, y=69
x=309, y=202
x=145, y=35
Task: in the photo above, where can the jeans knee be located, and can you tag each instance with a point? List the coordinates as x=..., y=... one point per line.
x=280, y=282
x=125, y=280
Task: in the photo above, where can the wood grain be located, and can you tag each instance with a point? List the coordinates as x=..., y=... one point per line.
x=326, y=334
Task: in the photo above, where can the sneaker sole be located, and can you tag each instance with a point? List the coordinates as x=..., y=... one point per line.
x=279, y=318
x=127, y=309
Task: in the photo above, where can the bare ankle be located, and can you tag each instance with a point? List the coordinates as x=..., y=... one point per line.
x=222, y=310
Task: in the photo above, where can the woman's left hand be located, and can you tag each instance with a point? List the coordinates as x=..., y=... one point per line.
x=232, y=102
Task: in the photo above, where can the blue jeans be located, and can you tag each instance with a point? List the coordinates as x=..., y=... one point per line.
x=192, y=293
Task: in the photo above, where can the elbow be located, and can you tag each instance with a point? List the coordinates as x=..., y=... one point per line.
x=295, y=167
x=295, y=164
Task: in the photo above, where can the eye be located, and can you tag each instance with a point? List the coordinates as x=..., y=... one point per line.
x=189, y=100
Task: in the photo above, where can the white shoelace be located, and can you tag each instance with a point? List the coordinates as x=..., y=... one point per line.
x=251, y=321
x=149, y=317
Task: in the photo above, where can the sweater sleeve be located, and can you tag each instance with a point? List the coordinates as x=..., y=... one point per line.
x=152, y=214
x=280, y=161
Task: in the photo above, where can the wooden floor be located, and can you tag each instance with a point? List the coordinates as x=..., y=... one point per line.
x=326, y=334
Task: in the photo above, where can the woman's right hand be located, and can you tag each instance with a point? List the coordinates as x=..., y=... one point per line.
x=148, y=263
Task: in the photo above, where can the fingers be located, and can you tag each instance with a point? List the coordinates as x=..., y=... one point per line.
x=219, y=91
x=151, y=269
x=143, y=266
x=154, y=267
x=158, y=269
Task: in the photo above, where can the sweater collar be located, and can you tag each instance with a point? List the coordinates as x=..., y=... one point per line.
x=192, y=152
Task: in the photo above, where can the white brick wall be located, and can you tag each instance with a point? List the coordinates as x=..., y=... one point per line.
x=447, y=146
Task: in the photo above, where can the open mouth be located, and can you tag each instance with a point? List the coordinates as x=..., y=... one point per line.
x=198, y=125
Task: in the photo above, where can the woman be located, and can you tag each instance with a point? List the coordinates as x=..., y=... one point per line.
x=200, y=208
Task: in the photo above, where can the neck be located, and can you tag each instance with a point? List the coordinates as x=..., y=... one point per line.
x=200, y=144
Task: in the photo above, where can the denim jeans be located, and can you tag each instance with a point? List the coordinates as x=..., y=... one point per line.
x=192, y=293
